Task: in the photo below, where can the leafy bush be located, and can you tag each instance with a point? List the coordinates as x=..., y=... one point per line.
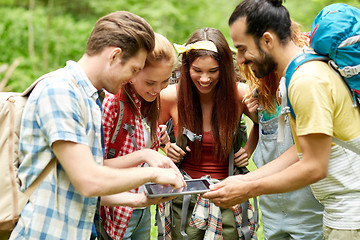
x=66, y=38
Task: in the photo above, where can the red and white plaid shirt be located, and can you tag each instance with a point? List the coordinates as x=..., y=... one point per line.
x=116, y=219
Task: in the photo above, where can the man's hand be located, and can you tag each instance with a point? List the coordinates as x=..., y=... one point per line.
x=171, y=176
x=230, y=192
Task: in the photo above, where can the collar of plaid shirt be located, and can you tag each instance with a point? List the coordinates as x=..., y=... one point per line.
x=116, y=219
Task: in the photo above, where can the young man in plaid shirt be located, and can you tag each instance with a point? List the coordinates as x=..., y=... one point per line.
x=62, y=119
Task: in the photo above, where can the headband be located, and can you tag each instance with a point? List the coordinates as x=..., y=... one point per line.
x=203, y=45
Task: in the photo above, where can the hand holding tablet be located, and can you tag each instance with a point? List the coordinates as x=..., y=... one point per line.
x=194, y=186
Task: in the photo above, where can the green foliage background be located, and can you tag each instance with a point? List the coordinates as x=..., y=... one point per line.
x=44, y=34
x=60, y=28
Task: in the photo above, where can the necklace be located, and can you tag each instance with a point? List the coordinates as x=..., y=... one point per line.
x=136, y=120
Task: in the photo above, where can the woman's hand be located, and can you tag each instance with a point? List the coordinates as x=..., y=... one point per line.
x=175, y=153
x=241, y=158
x=164, y=137
x=252, y=103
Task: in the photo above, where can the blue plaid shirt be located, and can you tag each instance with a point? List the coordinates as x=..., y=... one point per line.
x=53, y=112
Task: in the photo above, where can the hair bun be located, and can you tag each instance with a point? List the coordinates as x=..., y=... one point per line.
x=276, y=3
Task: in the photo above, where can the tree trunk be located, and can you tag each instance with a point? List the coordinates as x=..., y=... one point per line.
x=31, y=47
x=47, y=35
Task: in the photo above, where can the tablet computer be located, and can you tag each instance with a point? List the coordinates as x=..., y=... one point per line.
x=194, y=186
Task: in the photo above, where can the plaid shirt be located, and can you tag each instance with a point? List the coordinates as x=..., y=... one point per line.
x=116, y=219
x=56, y=210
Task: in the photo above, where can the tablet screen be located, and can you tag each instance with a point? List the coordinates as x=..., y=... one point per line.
x=193, y=186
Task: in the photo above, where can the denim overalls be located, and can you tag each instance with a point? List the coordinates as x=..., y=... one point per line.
x=292, y=215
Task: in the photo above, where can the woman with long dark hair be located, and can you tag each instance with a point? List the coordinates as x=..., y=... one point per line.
x=206, y=108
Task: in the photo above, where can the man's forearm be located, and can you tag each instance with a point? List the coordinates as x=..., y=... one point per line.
x=285, y=160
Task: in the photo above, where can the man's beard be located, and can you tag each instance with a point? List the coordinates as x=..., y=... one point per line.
x=265, y=65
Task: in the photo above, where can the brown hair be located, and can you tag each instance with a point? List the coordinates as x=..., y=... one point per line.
x=121, y=29
x=268, y=85
x=225, y=112
x=163, y=54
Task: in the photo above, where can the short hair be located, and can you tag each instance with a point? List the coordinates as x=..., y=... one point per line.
x=124, y=30
x=262, y=16
x=163, y=52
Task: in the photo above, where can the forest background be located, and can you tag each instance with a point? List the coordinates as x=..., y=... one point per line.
x=38, y=36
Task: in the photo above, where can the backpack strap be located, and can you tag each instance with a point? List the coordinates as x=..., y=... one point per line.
x=53, y=162
x=245, y=230
x=184, y=211
x=122, y=117
x=346, y=145
x=293, y=66
x=188, y=135
x=113, y=148
x=161, y=230
x=239, y=141
x=191, y=136
x=131, y=130
x=32, y=86
x=349, y=72
x=46, y=171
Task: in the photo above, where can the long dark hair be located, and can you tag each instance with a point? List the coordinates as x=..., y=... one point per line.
x=225, y=112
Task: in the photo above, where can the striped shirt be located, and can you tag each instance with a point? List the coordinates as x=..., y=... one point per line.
x=54, y=111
